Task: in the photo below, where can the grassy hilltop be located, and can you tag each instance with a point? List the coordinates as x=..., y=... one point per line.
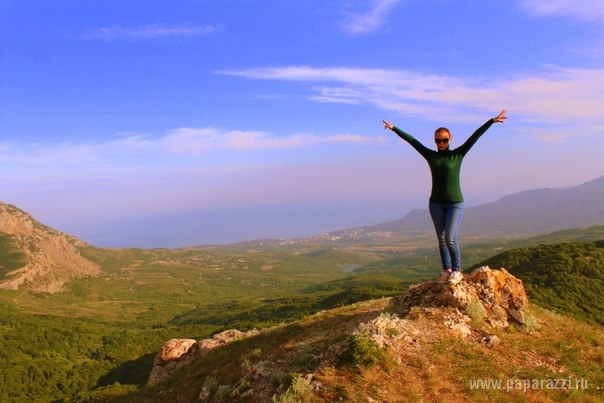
x=434, y=366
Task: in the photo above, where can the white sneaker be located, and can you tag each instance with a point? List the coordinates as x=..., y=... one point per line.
x=455, y=277
x=444, y=276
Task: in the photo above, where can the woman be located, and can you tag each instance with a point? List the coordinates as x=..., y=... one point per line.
x=446, y=199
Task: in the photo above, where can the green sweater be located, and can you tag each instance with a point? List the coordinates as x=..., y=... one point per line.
x=445, y=165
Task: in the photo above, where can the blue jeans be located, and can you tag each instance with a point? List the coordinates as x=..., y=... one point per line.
x=447, y=218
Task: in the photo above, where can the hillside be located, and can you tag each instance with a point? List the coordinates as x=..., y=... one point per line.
x=431, y=344
x=103, y=329
x=37, y=257
x=525, y=213
x=567, y=277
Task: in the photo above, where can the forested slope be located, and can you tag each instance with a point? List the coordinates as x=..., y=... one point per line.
x=564, y=277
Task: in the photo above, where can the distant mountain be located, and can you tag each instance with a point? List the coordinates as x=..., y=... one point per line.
x=525, y=213
x=37, y=257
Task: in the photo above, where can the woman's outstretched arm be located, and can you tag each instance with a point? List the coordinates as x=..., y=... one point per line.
x=423, y=150
x=465, y=147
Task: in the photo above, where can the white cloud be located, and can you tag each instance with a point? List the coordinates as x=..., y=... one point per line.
x=584, y=10
x=588, y=13
x=153, y=31
x=551, y=96
x=370, y=20
x=194, y=141
x=551, y=138
x=337, y=95
x=174, y=144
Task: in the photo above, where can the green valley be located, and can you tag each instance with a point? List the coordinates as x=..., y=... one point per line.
x=99, y=336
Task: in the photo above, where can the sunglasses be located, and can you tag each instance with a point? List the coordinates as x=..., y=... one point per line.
x=443, y=141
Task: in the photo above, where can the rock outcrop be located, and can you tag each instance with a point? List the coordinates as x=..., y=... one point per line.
x=176, y=353
x=495, y=296
x=52, y=257
x=484, y=301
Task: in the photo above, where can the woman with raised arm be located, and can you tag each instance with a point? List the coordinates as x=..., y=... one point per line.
x=446, y=199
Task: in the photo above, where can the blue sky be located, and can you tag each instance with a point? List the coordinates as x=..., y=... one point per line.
x=173, y=123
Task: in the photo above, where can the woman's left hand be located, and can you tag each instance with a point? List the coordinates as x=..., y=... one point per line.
x=501, y=118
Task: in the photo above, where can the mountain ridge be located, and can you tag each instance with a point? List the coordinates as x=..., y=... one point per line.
x=43, y=259
x=524, y=213
x=49, y=258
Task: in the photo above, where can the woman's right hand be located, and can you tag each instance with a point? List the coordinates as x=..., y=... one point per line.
x=387, y=125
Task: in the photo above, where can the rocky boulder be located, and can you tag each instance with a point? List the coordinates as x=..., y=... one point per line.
x=495, y=296
x=176, y=353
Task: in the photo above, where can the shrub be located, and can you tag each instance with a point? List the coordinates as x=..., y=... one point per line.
x=299, y=391
x=303, y=358
x=362, y=352
x=475, y=310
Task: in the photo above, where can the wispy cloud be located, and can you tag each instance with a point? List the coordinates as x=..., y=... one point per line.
x=153, y=31
x=195, y=141
x=371, y=19
x=174, y=144
x=584, y=10
x=552, y=95
x=551, y=138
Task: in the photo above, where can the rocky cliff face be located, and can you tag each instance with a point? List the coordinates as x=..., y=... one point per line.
x=53, y=258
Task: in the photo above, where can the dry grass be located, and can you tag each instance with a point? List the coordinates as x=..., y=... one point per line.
x=431, y=365
x=441, y=366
